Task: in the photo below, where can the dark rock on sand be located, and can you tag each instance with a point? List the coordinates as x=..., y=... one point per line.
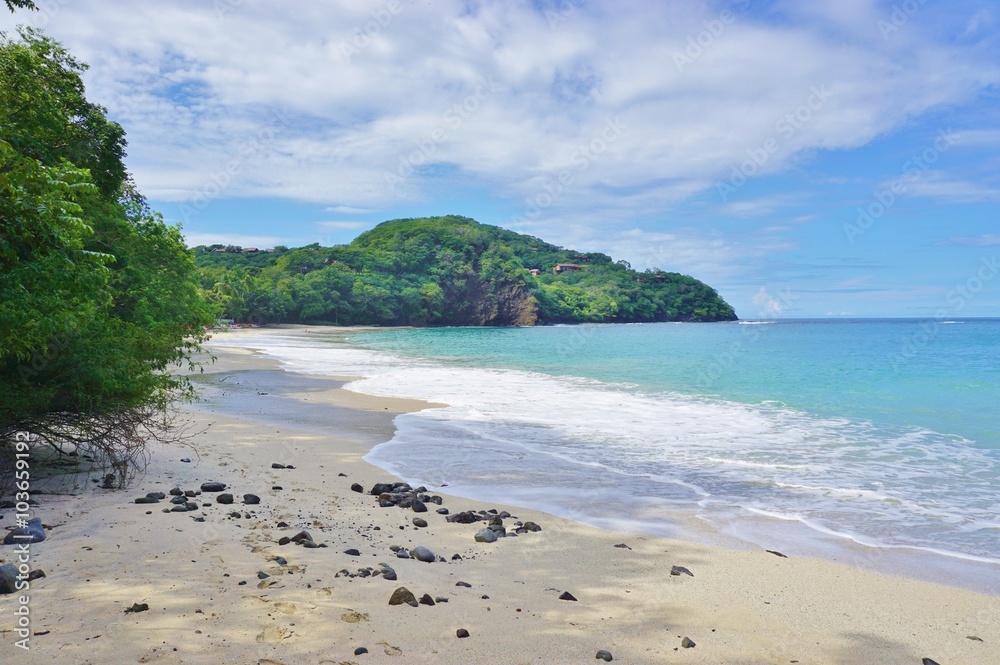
x=213, y=487
x=680, y=570
x=251, y=499
x=928, y=661
x=688, y=643
x=421, y=553
x=419, y=521
x=156, y=495
x=225, y=498
x=352, y=552
x=604, y=655
x=387, y=572
x=442, y=511
x=403, y=595
x=300, y=536
x=486, y=536
x=531, y=526
x=137, y=607
x=465, y=517
x=566, y=595
x=284, y=540
x=465, y=584
x=261, y=575
x=427, y=600
x=419, y=507
x=147, y=499
x=8, y=578
x=623, y=546
x=179, y=499
x=456, y=557
x=177, y=491
x=275, y=465
x=34, y=532
x=462, y=632
x=360, y=650
x=357, y=487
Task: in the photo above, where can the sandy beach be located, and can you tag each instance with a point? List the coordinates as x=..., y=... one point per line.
x=223, y=590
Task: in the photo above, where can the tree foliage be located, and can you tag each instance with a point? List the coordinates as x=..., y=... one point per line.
x=446, y=271
x=98, y=296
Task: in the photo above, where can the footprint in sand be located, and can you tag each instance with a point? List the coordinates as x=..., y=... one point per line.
x=273, y=635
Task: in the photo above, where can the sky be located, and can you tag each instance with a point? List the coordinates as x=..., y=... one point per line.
x=806, y=158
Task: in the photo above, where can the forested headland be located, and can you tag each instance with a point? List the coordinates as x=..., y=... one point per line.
x=449, y=270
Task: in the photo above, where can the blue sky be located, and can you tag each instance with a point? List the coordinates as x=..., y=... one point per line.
x=822, y=158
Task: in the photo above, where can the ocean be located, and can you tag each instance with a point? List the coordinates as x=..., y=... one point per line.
x=871, y=442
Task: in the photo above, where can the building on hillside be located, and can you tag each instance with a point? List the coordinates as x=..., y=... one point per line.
x=566, y=267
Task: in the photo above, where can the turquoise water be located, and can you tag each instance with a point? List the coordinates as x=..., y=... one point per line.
x=906, y=373
x=871, y=442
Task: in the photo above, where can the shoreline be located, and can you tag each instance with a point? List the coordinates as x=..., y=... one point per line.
x=738, y=607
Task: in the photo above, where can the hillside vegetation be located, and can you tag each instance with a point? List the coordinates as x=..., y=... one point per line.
x=445, y=271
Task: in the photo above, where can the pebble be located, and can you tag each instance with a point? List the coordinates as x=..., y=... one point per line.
x=357, y=487
x=156, y=495
x=426, y=599
x=688, y=643
x=224, y=499
x=251, y=499
x=137, y=607
x=442, y=511
x=352, y=552
x=419, y=507
x=403, y=595
x=387, y=572
x=462, y=632
x=177, y=491
x=928, y=661
x=212, y=487
x=465, y=584
x=419, y=521
x=566, y=595
x=360, y=650
x=604, y=655
x=680, y=570
x=421, y=553
x=147, y=499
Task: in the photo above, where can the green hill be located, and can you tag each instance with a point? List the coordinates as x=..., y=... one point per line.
x=446, y=271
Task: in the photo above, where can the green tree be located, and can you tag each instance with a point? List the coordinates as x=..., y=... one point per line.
x=99, y=298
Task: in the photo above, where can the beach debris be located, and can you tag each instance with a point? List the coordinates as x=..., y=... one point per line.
x=403, y=595
x=251, y=499
x=604, y=655
x=358, y=487
x=186, y=460
x=360, y=650
x=441, y=599
x=427, y=600
x=680, y=570
x=461, y=633
x=421, y=553
x=419, y=521
x=32, y=532
x=566, y=595
x=213, y=487
x=623, y=546
x=137, y=607
x=776, y=553
x=688, y=643
x=973, y=638
x=225, y=499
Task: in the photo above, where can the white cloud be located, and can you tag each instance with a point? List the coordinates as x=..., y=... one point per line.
x=261, y=242
x=492, y=93
x=344, y=225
